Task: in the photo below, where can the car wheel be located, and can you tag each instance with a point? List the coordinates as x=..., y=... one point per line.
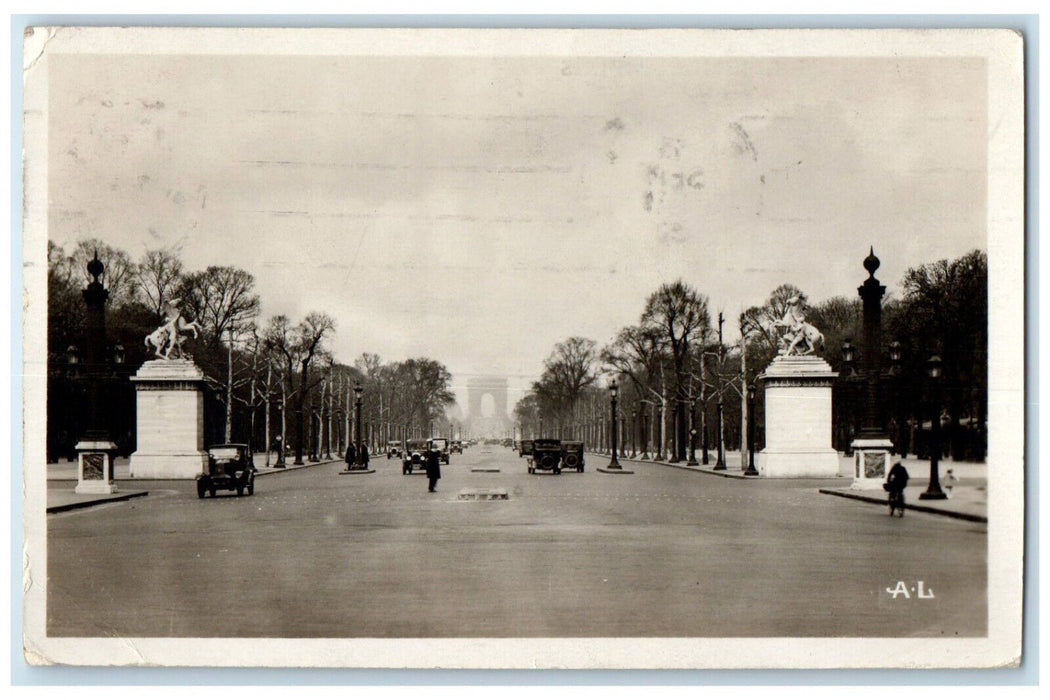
x=201, y=490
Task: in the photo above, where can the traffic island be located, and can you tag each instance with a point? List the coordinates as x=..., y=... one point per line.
x=61, y=500
x=615, y=470
x=358, y=471
x=485, y=469
x=473, y=494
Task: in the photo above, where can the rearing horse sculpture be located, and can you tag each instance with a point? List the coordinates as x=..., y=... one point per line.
x=797, y=330
x=168, y=337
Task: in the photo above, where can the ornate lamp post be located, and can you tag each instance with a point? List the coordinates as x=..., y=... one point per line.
x=358, y=464
x=872, y=447
x=934, y=367
x=751, y=471
x=613, y=390
x=849, y=371
x=720, y=462
x=280, y=439
x=95, y=448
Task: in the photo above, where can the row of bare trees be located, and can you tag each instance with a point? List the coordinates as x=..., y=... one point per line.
x=268, y=380
x=681, y=384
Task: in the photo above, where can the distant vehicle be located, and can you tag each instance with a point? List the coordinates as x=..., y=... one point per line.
x=393, y=449
x=507, y=442
x=456, y=447
x=572, y=455
x=414, y=457
x=546, y=455
x=229, y=468
x=525, y=448
x=441, y=445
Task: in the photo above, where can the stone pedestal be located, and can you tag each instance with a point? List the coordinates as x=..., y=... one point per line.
x=872, y=458
x=95, y=467
x=798, y=419
x=169, y=421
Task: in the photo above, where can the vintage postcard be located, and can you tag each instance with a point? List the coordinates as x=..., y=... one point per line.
x=513, y=348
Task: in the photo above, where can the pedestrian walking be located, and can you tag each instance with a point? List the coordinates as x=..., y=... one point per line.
x=351, y=454
x=364, y=455
x=433, y=468
x=950, y=482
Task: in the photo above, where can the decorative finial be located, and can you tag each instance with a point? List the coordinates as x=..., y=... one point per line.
x=871, y=263
x=95, y=267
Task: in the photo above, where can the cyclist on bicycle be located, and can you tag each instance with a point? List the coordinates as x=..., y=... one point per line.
x=896, y=481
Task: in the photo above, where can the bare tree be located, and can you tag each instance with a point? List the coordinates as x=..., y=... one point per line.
x=157, y=278
x=680, y=313
x=220, y=297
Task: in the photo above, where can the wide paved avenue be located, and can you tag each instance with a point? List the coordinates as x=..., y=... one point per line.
x=664, y=552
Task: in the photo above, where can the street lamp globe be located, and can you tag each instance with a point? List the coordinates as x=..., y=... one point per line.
x=848, y=353
x=72, y=356
x=934, y=367
x=118, y=354
x=751, y=392
x=895, y=352
x=613, y=389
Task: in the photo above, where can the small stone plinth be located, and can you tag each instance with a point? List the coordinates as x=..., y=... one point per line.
x=798, y=419
x=483, y=495
x=871, y=462
x=169, y=421
x=485, y=469
x=358, y=471
x=606, y=470
x=95, y=467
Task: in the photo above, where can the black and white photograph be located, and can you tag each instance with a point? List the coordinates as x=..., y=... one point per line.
x=523, y=348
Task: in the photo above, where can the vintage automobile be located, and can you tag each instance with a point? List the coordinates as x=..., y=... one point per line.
x=414, y=457
x=456, y=446
x=440, y=444
x=525, y=449
x=572, y=455
x=546, y=455
x=229, y=468
x=393, y=449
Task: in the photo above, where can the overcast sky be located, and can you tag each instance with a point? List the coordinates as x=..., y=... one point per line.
x=479, y=210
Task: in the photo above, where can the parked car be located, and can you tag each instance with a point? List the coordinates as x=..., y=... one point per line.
x=393, y=449
x=525, y=449
x=229, y=468
x=456, y=447
x=546, y=455
x=441, y=445
x=414, y=457
x=572, y=455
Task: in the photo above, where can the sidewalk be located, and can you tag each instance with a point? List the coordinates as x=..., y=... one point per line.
x=968, y=501
x=62, y=477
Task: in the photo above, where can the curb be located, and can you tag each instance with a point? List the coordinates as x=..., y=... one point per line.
x=292, y=468
x=96, y=501
x=908, y=506
x=724, y=474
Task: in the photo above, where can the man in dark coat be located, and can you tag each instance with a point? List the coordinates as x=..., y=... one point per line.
x=433, y=467
x=351, y=453
x=897, y=479
x=364, y=455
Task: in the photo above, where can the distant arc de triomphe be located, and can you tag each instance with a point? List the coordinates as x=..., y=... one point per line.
x=496, y=388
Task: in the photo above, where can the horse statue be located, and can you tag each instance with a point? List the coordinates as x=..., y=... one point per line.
x=797, y=330
x=168, y=336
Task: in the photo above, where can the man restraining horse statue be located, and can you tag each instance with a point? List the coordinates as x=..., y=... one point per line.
x=168, y=337
x=797, y=329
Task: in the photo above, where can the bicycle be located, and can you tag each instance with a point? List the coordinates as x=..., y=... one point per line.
x=896, y=502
